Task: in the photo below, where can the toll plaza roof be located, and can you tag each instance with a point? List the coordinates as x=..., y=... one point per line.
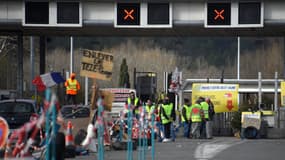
x=148, y=18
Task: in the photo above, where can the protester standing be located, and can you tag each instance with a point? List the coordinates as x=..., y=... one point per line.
x=134, y=103
x=149, y=108
x=72, y=87
x=185, y=116
x=167, y=117
x=205, y=119
x=209, y=124
x=196, y=115
x=159, y=126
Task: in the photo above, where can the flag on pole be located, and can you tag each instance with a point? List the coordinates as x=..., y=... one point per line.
x=47, y=80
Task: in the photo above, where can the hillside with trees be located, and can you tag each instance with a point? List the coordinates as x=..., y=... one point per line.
x=196, y=57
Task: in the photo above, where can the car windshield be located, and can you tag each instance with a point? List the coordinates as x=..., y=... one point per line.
x=16, y=107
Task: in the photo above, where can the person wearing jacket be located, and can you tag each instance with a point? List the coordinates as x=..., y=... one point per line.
x=196, y=115
x=168, y=116
x=209, y=123
x=134, y=103
x=149, y=108
x=185, y=116
x=72, y=87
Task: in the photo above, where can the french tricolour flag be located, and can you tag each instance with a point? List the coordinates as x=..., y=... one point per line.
x=47, y=80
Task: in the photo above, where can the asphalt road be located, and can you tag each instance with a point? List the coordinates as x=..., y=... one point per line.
x=219, y=148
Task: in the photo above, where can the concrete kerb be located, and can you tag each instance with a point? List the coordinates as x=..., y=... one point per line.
x=275, y=133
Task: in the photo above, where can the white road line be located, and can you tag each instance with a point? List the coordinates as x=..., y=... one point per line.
x=209, y=150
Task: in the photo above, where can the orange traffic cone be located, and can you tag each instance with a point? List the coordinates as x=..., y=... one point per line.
x=68, y=136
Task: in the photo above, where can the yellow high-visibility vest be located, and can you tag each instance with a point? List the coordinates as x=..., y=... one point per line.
x=135, y=104
x=149, y=109
x=205, y=107
x=196, y=113
x=71, y=86
x=187, y=109
x=167, y=109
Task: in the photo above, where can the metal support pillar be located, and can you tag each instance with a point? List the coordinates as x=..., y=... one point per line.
x=32, y=63
x=86, y=91
x=20, y=70
x=238, y=59
x=165, y=84
x=71, y=55
x=42, y=54
x=276, y=91
x=135, y=78
x=276, y=108
x=259, y=90
x=238, y=65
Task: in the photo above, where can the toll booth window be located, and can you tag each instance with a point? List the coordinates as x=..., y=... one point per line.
x=68, y=12
x=249, y=13
x=219, y=14
x=128, y=14
x=158, y=13
x=37, y=12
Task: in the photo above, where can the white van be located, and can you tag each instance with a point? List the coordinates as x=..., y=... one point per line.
x=120, y=98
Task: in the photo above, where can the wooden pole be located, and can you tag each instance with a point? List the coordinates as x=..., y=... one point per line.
x=94, y=96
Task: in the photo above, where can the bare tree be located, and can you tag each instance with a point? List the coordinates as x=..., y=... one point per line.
x=7, y=46
x=7, y=43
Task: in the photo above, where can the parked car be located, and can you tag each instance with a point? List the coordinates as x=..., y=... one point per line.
x=17, y=112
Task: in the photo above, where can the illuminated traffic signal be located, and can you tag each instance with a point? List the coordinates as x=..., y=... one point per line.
x=219, y=14
x=128, y=13
x=234, y=14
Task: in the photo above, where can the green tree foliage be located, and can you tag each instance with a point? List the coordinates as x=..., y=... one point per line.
x=236, y=118
x=124, y=80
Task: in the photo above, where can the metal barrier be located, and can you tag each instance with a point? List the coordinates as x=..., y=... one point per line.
x=222, y=124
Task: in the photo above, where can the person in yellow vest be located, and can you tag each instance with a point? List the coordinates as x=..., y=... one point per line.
x=205, y=109
x=134, y=103
x=185, y=117
x=149, y=108
x=159, y=126
x=196, y=115
x=209, y=122
x=72, y=87
x=167, y=114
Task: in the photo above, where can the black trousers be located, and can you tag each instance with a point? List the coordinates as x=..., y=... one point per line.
x=71, y=99
x=167, y=130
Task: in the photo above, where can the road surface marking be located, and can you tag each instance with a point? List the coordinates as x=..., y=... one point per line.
x=209, y=150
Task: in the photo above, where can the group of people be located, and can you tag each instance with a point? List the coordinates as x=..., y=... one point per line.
x=196, y=119
x=162, y=113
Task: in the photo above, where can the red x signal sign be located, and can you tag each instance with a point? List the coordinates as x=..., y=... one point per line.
x=219, y=14
x=129, y=14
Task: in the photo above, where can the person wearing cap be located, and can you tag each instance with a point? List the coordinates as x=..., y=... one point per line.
x=72, y=87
